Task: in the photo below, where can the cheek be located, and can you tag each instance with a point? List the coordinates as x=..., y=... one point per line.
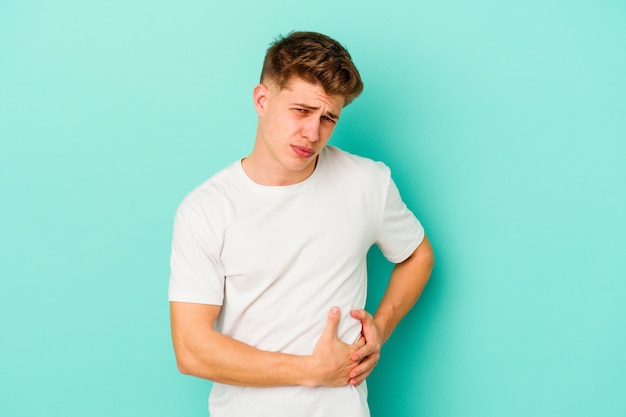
x=282, y=126
x=286, y=123
x=327, y=131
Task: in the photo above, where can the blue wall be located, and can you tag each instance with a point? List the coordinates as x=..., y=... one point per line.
x=503, y=123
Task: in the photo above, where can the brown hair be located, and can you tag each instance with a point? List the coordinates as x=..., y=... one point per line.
x=315, y=58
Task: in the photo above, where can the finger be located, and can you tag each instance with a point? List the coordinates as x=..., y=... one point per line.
x=356, y=346
x=332, y=322
x=360, y=343
x=363, y=352
x=360, y=378
x=363, y=369
x=359, y=314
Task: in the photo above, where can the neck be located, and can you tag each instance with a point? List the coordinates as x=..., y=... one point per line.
x=273, y=174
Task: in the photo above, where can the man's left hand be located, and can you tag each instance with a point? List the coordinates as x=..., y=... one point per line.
x=367, y=356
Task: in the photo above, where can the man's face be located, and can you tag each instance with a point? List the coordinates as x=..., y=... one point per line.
x=295, y=123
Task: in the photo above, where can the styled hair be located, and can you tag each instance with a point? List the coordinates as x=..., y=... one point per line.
x=315, y=58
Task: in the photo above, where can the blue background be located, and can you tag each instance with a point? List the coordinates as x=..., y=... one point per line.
x=504, y=126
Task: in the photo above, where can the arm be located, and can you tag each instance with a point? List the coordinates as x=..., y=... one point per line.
x=406, y=283
x=204, y=352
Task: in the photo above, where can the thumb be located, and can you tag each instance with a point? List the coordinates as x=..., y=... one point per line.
x=332, y=323
x=359, y=314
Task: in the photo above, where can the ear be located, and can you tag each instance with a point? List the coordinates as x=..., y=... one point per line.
x=259, y=96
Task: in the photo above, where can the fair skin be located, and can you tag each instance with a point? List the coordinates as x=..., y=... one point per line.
x=295, y=123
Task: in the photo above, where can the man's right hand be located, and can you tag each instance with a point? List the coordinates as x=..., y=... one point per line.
x=331, y=359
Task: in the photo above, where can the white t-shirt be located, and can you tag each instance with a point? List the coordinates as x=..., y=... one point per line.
x=277, y=258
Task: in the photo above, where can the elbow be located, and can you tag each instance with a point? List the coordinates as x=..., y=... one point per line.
x=185, y=363
x=183, y=367
x=191, y=364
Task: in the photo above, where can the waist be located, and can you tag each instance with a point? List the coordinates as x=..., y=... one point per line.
x=297, y=401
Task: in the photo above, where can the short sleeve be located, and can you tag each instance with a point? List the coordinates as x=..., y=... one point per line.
x=197, y=275
x=400, y=232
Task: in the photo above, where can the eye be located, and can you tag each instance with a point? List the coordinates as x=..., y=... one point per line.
x=329, y=119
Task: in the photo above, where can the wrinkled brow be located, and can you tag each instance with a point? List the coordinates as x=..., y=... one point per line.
x=309, y=107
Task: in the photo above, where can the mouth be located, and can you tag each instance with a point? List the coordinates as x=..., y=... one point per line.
x=303, y=151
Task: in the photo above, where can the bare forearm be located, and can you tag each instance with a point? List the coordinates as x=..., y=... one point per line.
x=203, y=352
x=222, y=359
x=406, y=284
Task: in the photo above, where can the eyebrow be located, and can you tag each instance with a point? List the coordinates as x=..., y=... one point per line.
x=306, y=106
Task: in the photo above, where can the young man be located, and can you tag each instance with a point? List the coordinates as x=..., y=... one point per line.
x=269, y=277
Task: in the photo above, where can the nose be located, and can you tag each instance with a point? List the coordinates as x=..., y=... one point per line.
x=311, y=129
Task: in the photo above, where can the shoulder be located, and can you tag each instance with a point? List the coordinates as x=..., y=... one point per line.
x=339, y=160
x=212, y=195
